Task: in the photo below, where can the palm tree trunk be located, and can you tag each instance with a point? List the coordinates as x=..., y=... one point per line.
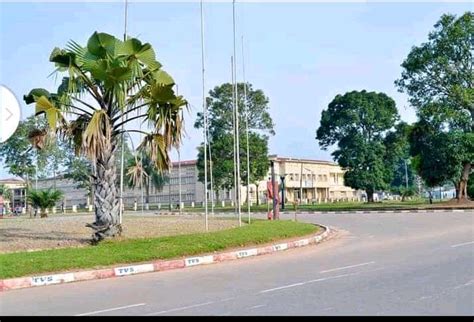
x=106, y=203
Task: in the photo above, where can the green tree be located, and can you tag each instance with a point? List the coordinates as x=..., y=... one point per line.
x=222, y=154
x=44, y=199
x=141, y=171
x=358, y=122
x=398, y=157
x=438, y=76
x=125, y=82
x=17, y=154
x=442, y=164
x=220, y=118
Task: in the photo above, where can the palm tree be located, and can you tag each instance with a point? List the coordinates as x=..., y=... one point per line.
x=120, y=78
x=44, y=199
x=142, y=171
x=6, y=196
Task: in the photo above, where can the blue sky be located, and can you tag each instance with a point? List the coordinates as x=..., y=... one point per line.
x=300, y=54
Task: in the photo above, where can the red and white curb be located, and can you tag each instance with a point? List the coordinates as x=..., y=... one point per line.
x=157, y=266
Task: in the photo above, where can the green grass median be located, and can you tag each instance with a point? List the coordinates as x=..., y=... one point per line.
x=140, y=250
x=336, y=206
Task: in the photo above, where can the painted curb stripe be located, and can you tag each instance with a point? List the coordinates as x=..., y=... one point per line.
x=25, y=282
x=14, y=283
x=135, y=269
x=246, y=253
x=92, y=275
x=167, y=265
x=280, y=247
x=52, y=279
x=302, y=242
x=193, y=261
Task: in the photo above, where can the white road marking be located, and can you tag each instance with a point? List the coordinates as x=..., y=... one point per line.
x=180, y=308
x=329, y=278
x=346, y=267
x=227, y=299
x=471, y=282
x=281, y=287
x=257, y=306
x=307, y=282
x=463, y=244
x=112, y=309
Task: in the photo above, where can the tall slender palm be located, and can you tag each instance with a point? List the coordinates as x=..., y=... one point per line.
x=143, y=172
x=107, y=80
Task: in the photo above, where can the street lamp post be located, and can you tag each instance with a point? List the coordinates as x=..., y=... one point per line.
x=282, y=178
x=274, y=190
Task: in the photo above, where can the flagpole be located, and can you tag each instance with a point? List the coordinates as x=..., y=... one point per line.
x=233, y=134
x=237, y=130
x=123, y=128
x=179, y=168
x=204, y=107
x=246, y=130
x=210, y=173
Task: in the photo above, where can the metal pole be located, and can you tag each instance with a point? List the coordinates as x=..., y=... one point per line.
x=282, y=192
x=122, y=121
x=275, y=192
x=210, y=173
x=179, y=179
x=237, y=129
x=169, y=191
x=204, y=107
x=179, y=167
x=246, y=130
x=233, y=135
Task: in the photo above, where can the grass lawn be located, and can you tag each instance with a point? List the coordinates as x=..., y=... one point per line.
x=139, y=250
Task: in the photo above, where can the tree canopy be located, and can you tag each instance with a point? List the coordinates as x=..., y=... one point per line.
x=438, y=76
x=220, y=118
x=358, y=122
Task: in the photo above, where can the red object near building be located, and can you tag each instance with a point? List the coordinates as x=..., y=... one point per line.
x=270, y=196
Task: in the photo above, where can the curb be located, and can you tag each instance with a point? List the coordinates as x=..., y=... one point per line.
x=330, y=212
x=157, y=266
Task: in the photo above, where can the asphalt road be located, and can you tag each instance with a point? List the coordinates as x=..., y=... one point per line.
x=377, y=264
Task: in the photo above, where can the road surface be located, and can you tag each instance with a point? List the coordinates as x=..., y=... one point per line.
x=377, y=264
